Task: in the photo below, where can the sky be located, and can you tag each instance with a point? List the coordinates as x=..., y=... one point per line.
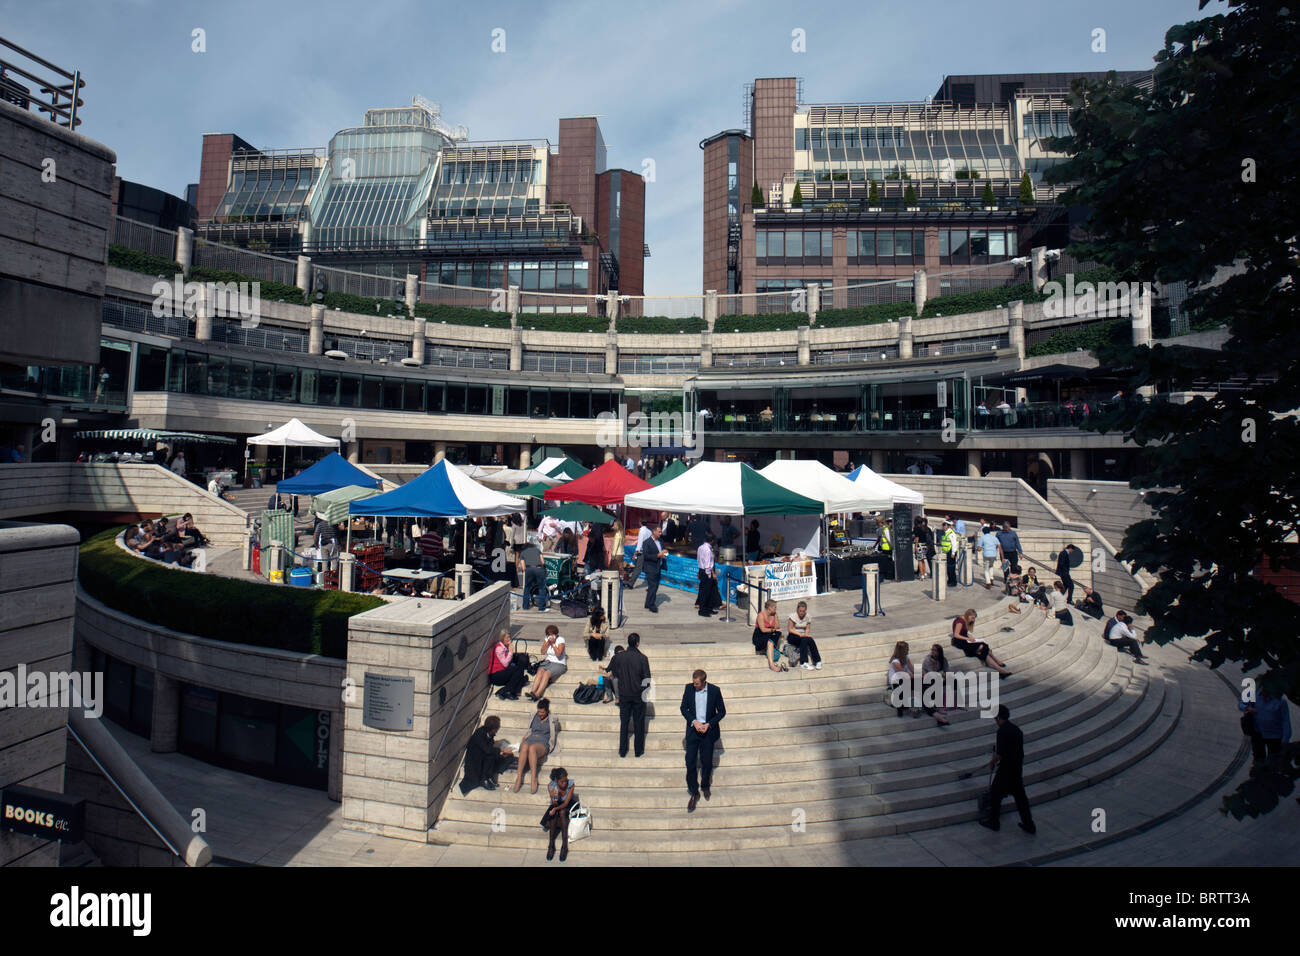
x=661, y=76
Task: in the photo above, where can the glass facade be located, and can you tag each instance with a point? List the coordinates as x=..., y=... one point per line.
x=976, y=246
x=262, y=192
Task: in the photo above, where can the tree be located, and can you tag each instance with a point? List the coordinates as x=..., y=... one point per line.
x=1185, y=182
x=1026, y=190
x=873, y=195
x=796, y=200
x=909, y=196
x=987, y=198
x=756, y=197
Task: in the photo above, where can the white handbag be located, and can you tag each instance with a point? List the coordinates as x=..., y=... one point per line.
x=579, y=823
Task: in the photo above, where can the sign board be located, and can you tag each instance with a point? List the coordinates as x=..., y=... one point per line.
x=789, y=579
x=903, y=539
x=941, y=394
x=40, y=813
x=389, y=702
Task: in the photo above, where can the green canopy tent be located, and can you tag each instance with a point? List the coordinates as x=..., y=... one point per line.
x=678, y=467
x=577, y=511
x=536, y=490
x=333, y=505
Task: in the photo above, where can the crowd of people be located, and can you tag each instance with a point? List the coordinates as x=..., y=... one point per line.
x=167, y=545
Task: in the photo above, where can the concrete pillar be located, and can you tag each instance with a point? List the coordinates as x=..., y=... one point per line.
x=805, y=348
x=1078, y=463
x=1016, y=327
x=609, y=597
x=905, y=337
x=165, y=723
x=412, y=292
x=302, y=277
x=316, y=331
x=877, y=460
x=464, y=578
x=711, y=308
x=516, y=349
x=525, y=456
x=1141, y=310
x=965, y=565
x=273, y=561
x=706, y=348
x=919, y=290
x=417, y=340
x=439, y=451
x=203, y=316
x=611, y=352
x=347, y=569
x=512, y=304
x=184, y=249
x=611, y=307
x=973, y=462
x=939, y=591
x=1038, y=266
x=814, y=301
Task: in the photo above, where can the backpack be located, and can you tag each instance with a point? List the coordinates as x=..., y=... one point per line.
x=588, y=694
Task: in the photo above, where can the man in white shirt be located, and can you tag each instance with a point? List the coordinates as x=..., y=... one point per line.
x=638, y=555
x=630, y=465
x=703, y=709
x=992, y=553
x=178, y=464
x=708, y=598
x=549, y=531
x=1120, y=636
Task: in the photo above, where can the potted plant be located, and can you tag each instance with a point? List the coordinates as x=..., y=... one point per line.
x=756, y=198
x=988, y=200
x=796, y=199
x=909, y=198
x=873, y=198
x=1026, y=190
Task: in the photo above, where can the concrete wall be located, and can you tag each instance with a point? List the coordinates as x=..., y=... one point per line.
x=55, y=216
x=981, y=497
x=303, y=680
x=45, y=488
x=394, y=782
x=38, y=570
x=1111, y=506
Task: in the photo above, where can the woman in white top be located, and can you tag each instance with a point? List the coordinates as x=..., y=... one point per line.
x=799, y=635
x=1060, y=606
x=554, y=662
x=900, y=669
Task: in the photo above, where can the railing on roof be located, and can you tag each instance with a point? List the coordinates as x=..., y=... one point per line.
x=143, y=237
x=64, y=98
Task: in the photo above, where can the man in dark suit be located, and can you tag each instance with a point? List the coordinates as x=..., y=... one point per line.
x=1008, y=765
x=631, y=673
x=1064, y=561
x=651, y=551
x=703, y=710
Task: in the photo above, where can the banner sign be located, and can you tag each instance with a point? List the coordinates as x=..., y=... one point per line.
x=790, y=579
x=40, y=813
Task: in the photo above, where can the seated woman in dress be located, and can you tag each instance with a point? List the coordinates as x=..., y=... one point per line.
x=563, y=801
x=554, y=662
x=539, y=742
x=766, y=628
x=597, y=634
x=962, y=625
x=800, y=636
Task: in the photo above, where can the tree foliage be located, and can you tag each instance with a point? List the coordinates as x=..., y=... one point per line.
x=1195, y=180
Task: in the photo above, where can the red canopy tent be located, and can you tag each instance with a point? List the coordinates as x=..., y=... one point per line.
x=607, y=485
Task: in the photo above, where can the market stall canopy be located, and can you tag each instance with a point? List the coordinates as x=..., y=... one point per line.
x=724, y=488
x=678, y=467
x=814, y=479
x=577, y=511
x=883, y=490
x=330, y=473
x=148, y=434
x=607, y=485
x=444, y=491
x=565, y=469
x=294, y=432
x=535, y=490
x=512, y=476
x=333, y=505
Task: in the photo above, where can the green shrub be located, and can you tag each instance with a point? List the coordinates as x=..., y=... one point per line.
x=224, y=609
x=362, y=304
x=863, y=315
x=987, y=198
x=796, y=200
x=1087, y=338
x=756, y=197
x=660, y=325
x=462, y=315
x=122, y=257
x=773, y=322
x=981, y=300
x=271, y=291
x=1026, y=189
x=909, y=196
x=873, y=195
x=544, y=322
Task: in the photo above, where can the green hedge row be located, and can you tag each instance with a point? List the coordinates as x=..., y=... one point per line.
x=562, y=323
x=363, y=304
x=122, y=257
x=660, y=325
x=223, y=609
x=1087, y=338
x=461, y=315
x=864, y=315
x=771, y=322
x=271, y=291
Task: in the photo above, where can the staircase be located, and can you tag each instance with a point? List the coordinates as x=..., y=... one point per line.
x=819, y=756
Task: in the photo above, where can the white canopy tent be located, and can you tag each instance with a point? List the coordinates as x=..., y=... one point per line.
x=886, y=491
x=293, y=432
x=518, y=476
x=815, y=480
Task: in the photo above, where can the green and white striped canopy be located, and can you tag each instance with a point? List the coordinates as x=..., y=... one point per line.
x=724, y=488
x=149, y=434
x=334, y=504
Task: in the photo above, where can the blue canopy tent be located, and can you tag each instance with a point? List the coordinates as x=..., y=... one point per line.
x=329, y=474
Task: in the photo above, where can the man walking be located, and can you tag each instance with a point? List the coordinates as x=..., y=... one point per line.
x=1010, y=543
x=651, y=552
x=703, y=710
x=638, y=555
x=991, y=551
x=533, y=571
x=1064, y=561
x=1008, y=766
x=631, y=673
x=709, y=598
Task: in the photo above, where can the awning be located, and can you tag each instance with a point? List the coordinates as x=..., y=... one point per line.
x=443, y=491
x=149, y=434
x=333, y=505
x=294, y=432
x=577, y=511
x=331, y=472
x=668, y=474
x=814, y=479
x=566, y=469
x=607, y=485
x=1044, y=373
x=724, y=488
x=882, y=490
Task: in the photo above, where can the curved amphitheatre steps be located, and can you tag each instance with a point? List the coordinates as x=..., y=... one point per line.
x=826, y=743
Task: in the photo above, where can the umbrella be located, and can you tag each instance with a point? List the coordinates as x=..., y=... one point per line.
x=837, y=493
x=576, y=511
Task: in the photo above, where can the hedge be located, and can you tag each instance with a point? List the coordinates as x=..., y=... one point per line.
x=576, y=322
x=462, y=315
x=363, y=304
x=864, y=315
x=224, y=609
x=771, y=322
x=122, y=257
x=660, y=325
x=271, y=291
x=1087, y=338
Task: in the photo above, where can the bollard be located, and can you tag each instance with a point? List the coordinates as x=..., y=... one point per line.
x=965, y=568
x=347, y=566
x=464, y=579
x=273, y=560
x=609, y=590
x=200, y=560
x=870, y=591
x=754, y=576
x=941, y=560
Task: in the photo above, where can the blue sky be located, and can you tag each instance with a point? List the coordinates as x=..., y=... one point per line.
x=661, y=76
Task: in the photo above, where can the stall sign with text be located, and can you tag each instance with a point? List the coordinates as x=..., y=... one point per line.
x=790, y=579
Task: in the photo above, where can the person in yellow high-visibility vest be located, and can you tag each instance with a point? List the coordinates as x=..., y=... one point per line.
x=951, y=546
x=886, y=543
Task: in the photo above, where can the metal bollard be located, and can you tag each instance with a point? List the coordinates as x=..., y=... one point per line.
x=610, y=583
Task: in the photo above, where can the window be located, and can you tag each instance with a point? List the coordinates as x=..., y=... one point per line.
x=776, y=245
x=455, y=398
x=433, y=397
x=812, y=245
x=851, y=243
x=760, y=244
x=960, y=246
x=943, y=245
x=903, y=243
x=979, y=242
x=801, y=138
x=885, y=243
x=867, y=246
x=997, y=244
